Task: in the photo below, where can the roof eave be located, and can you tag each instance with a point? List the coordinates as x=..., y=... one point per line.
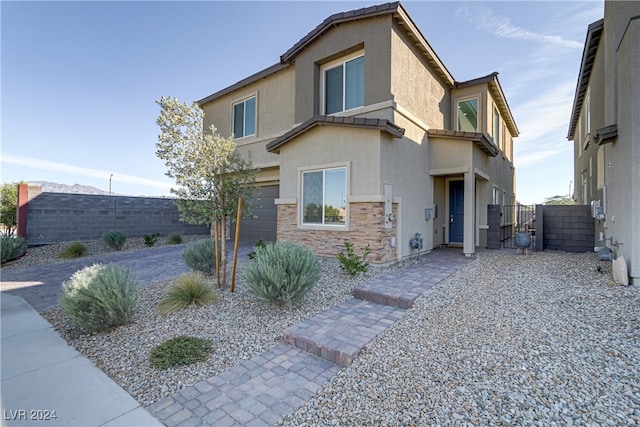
x=588, y=55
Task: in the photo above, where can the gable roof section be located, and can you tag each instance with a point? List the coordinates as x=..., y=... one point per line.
x=498, y=96
x=398, y=12
x=382, y=125
x=288, y=58
x=480, y=139
x=594, y=33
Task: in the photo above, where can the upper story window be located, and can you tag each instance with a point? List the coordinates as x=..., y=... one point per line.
x=343, y=84
x=244, y=118
x=468, y=115
x=496, y=128
x=324, y=196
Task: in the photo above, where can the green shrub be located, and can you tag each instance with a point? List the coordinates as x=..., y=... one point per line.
x=114, y=239
x=200, y=256
x=73, y=250
x=99, y=297
x=259, y=244
x=11, y=248
x=174, y=239
x=352, y=263
x=283, y=272
x=187, y=289
x=181, y=350
x=151, y=239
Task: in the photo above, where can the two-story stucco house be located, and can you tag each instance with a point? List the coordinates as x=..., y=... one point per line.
x=361, y=134
x=605, y=128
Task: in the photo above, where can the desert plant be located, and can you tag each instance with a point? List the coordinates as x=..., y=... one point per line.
x=191, y=288
x=151, y=239
x=114, y=239
x=174, y=239
x=352, y=263
x=200, y=256
x=73, y=250
x=283, y=272
x=259, y=244
x=99, y=297
x=181, y=350
x=11, y=248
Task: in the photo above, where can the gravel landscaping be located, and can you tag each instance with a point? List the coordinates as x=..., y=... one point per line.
x=509, y=340
x=240, y=325
x=538, y=339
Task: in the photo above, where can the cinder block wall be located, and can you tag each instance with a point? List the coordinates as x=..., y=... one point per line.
x=568, y=228
x=58, y=217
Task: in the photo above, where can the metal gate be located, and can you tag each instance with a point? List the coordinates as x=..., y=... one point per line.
x=517, y=218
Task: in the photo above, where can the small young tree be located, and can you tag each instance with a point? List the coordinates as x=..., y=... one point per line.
x=8, y=206
x=209, y=173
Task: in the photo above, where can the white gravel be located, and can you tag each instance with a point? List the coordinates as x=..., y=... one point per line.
x=509, y=340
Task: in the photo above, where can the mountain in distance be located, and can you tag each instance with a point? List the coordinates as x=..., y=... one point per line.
x=54, y=187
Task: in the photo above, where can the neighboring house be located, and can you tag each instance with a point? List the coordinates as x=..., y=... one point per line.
x=361, y=134
x=605, y=128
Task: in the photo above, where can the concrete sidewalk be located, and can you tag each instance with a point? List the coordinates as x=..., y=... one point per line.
x=46, y=382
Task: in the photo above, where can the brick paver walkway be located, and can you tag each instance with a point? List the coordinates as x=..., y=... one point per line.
x=273, y=384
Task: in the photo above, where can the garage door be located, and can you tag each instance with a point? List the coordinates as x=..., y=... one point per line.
x=264, y=209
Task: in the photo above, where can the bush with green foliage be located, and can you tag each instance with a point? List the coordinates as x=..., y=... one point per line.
x=181, y=350
x=11, y=248
x=353, y=263
x=73, y=250
x=191, y=288
x=200, y=256
x=99, y=297
x=115, y=239
x=259, y=244
x=283, y=272
x=151, y=239
x=174, y=239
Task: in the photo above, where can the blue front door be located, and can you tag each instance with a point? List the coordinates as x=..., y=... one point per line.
x=456, y=211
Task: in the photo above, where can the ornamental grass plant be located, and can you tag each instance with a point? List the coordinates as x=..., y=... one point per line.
x=99, y=297
x=283, y=272
x=191, y=288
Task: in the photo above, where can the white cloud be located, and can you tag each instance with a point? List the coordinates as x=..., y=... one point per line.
x=50, y=166
x=485, y=19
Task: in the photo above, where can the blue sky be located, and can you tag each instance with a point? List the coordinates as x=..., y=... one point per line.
x=80, y=79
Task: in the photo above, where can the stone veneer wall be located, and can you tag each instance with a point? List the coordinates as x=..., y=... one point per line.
x=366, y=224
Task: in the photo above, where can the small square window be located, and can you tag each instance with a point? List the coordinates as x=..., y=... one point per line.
x=324, y=197
x=244, y=118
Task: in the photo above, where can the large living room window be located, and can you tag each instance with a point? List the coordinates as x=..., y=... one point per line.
x=343, y=84
x=244, y=118
x=468, y=115
x=324, y=196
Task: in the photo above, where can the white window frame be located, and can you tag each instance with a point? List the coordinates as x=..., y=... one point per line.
x=323, y=226
x=496, y=195
x=477, y=98
x=244, y=118
x=334, y=64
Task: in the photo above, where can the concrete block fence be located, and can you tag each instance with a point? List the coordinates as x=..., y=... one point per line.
x=62, y=217
x=568, y=228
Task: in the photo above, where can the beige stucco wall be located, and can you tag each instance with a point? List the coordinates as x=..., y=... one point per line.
x=622, y=156
x=415, y=87
x=275, y=114
x=372, y=35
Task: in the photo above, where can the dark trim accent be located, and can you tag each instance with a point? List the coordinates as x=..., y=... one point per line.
x=481, y=139
x=244, y=82
x=337, y=19
x=382, y=125
x=594, y=33
x=606, y=134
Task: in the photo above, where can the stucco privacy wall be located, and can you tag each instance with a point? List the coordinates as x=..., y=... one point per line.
x=58, y=217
